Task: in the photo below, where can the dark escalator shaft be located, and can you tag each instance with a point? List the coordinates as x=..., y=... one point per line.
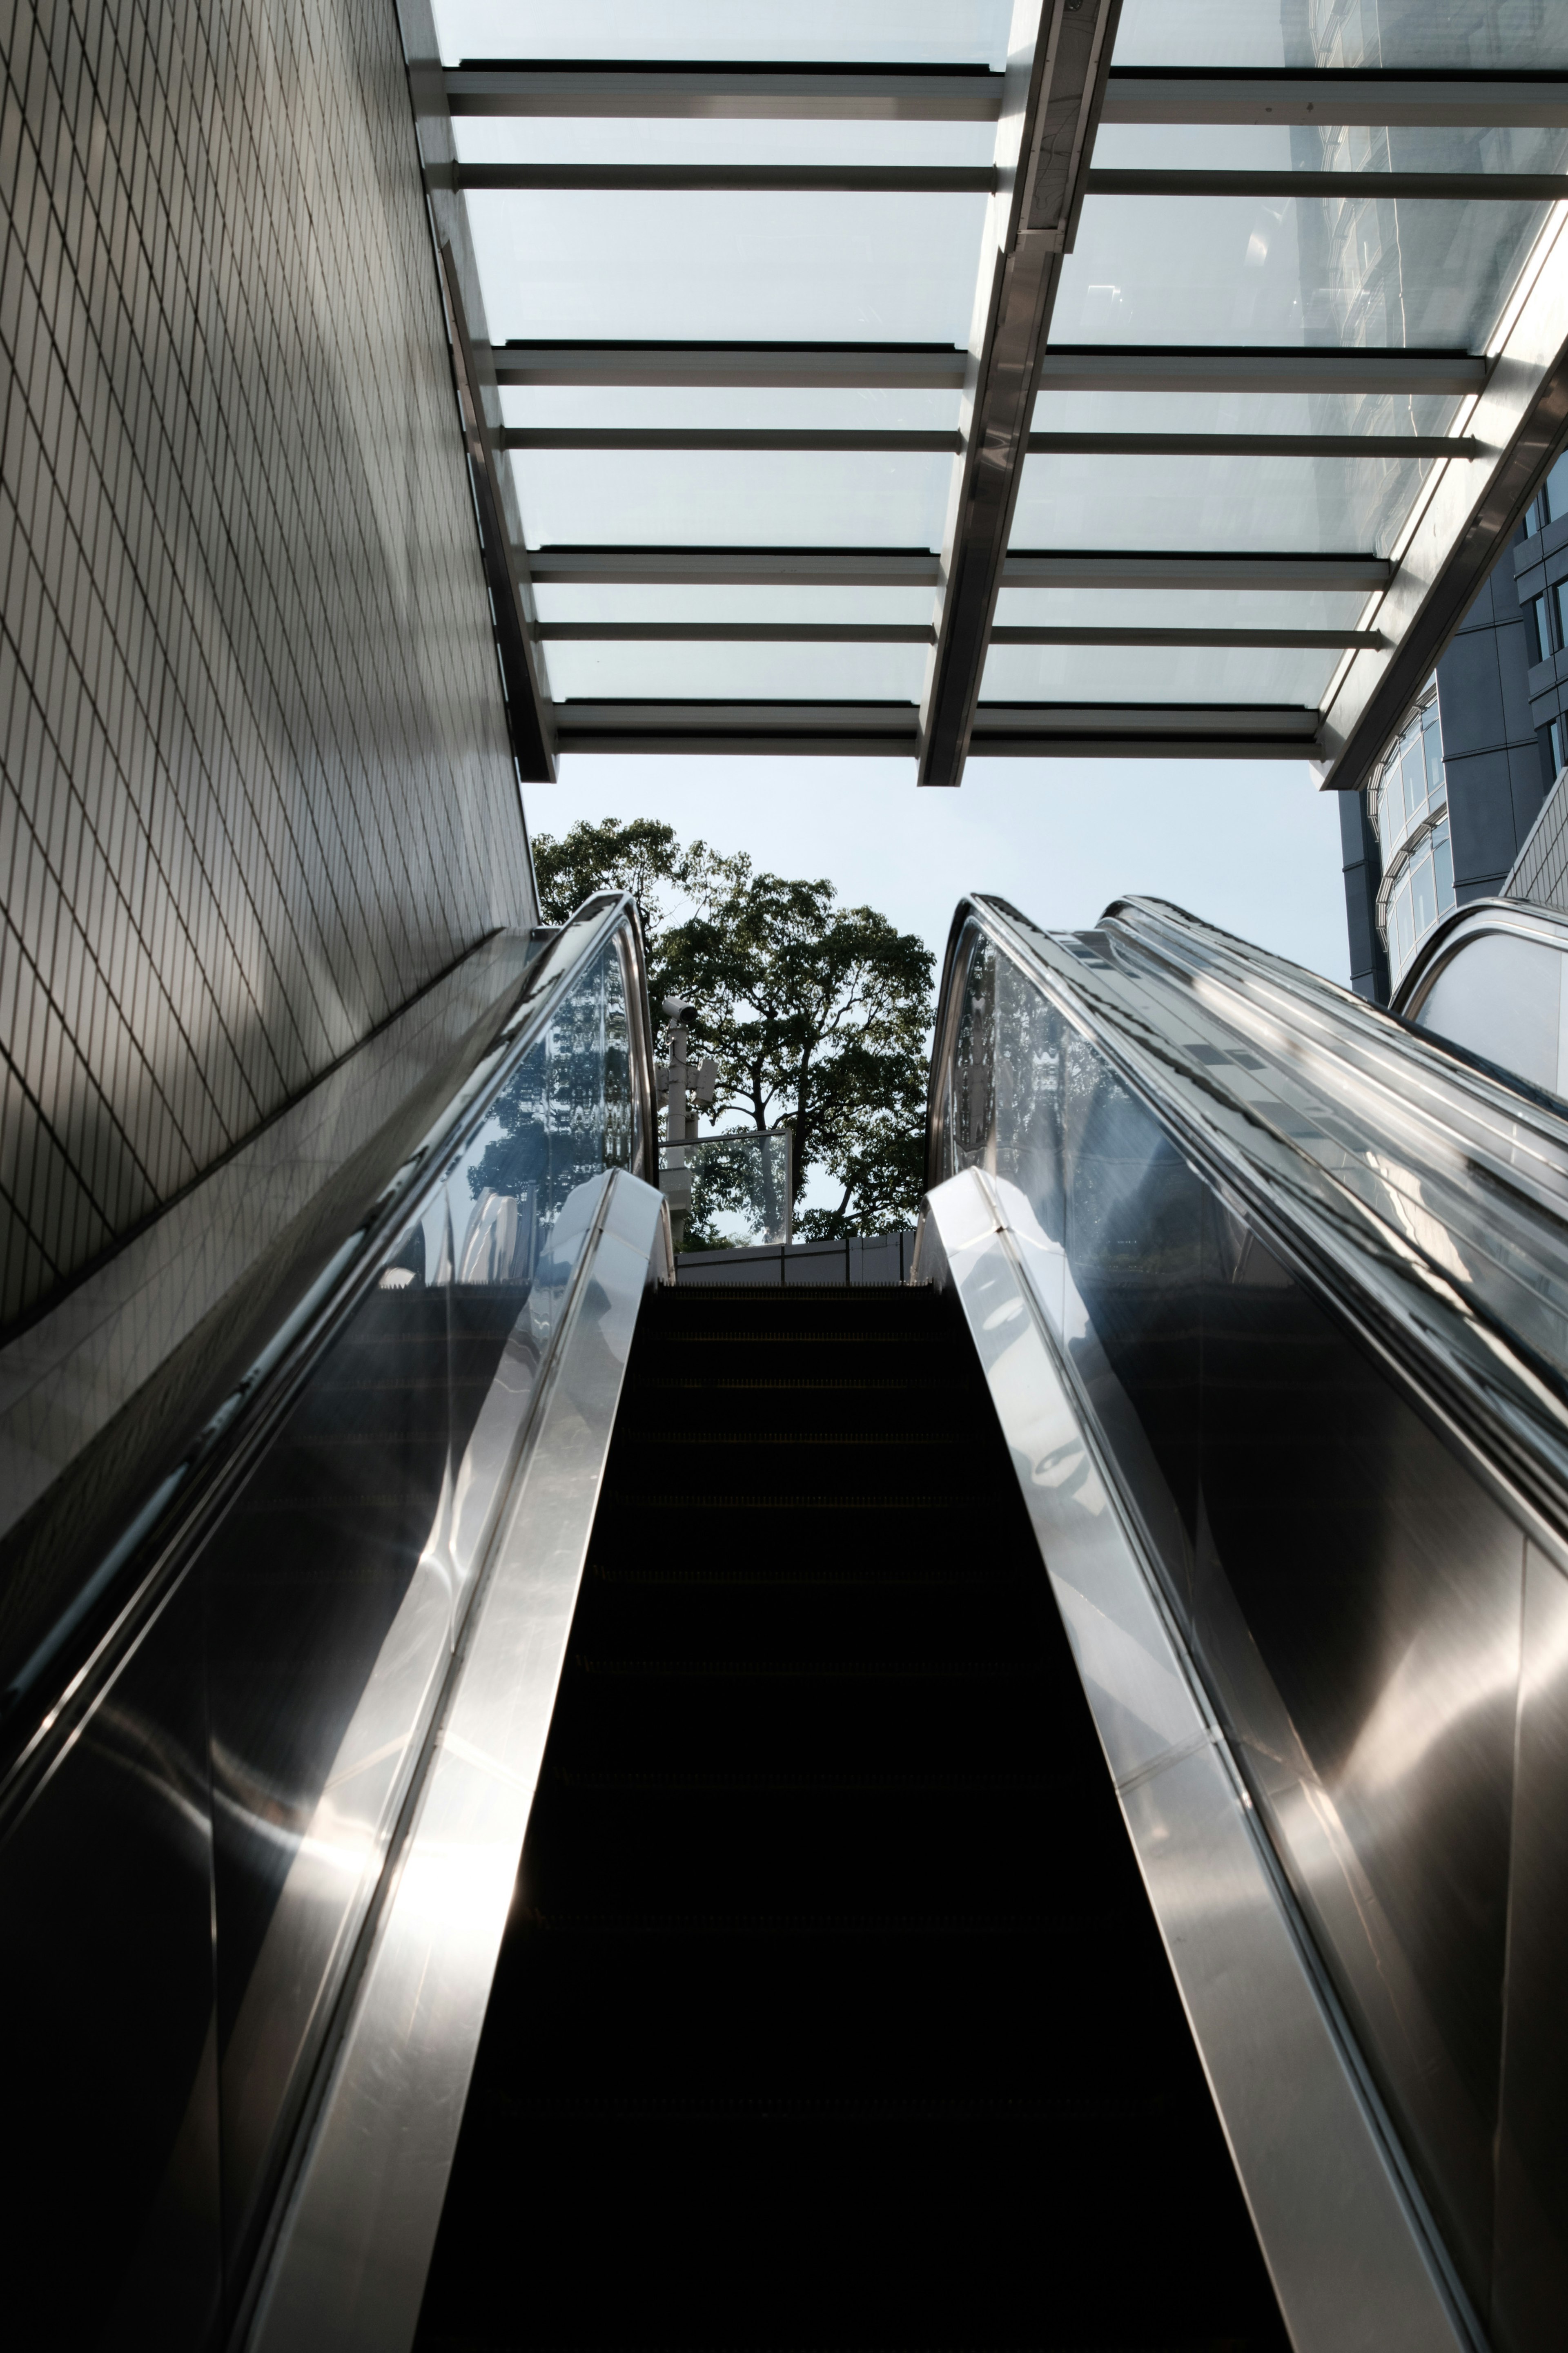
x=831, y=2010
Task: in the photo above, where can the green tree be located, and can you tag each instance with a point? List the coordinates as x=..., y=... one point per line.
x=641, y=856
x=816, y=1015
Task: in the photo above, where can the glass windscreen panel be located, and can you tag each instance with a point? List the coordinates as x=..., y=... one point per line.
x=1351, y=1592
x=1199, y=674
x=225, y=1810
x=1431, y=36
x=741, y=1188
x=748, y=673
x=820, y=32
x=731, y=498
x=1222, y=504
x=1377, y=273
x=733, y=265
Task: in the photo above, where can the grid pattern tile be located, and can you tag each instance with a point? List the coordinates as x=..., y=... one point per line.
x=1542, y=874
x=256, y=786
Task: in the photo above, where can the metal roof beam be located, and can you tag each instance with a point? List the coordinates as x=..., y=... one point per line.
x=738, y=633
x=1439, y=187
x=1084, y=367
x=1327, y=640
x=829, y=730
x=869, y=567
x=1169, y=568
x=767, y=93
x=1477, y=101
x=856, y=633
x=658, y=438
x=1058, y=62
x=1029, y=730
x=1378, y=446
x=764, y=567
x=842, y=179
x=903, y=367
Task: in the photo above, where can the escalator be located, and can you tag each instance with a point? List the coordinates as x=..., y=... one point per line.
x=831, y=2009
x=1022, y=1807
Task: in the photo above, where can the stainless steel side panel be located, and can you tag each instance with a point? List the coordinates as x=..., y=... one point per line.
x=348, y=2271
x=1349, y=2262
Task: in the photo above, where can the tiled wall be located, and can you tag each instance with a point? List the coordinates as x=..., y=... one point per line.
x=256, y=787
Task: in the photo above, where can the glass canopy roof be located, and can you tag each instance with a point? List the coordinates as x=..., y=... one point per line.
x=854, y=374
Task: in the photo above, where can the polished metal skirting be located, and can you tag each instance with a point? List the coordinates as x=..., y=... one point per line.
x=1350, y=2261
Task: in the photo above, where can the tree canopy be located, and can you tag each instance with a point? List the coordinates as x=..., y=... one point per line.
x=817, y=1015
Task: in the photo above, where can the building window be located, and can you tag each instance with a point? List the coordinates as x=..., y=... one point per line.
x=1420, y=889
x=1409, y=807
x=1537, y=629
x=1560, y=613
x=1551, y=499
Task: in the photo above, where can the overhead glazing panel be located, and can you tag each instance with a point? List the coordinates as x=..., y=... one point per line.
x=726, y=408
x=1201, y=674
x=680, y=266
x=1224, y=504
x=1462, y=36
x=704, y=498
x=766, y=671
x=1189, y=608
x=1398, y=415
x=811, y=32
x=1405, y=272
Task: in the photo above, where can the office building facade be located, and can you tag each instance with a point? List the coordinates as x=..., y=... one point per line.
x=1450, y=804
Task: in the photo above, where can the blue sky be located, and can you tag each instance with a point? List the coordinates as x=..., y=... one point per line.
x=1253, y=846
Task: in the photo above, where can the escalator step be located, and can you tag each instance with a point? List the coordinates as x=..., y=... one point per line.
x=830, y=2012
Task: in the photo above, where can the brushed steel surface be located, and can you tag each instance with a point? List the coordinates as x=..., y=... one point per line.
x=348, y=2267
x=1351, y=2265
x=1058, y=59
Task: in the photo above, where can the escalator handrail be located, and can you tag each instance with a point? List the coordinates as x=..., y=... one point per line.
x=1478, y=918
x=56, y=1689
x=1504, y=1402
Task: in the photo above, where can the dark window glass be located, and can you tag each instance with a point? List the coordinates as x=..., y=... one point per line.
x=1537, y=629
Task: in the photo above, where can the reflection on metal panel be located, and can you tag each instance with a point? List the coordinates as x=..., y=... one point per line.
x=349, y=2269
x=1349, y=2270
x=111, y=2071
x=1347, y=1567
x=205, y=1818
x=1531, y=2291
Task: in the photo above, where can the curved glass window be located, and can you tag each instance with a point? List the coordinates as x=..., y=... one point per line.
x=1408, y=803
